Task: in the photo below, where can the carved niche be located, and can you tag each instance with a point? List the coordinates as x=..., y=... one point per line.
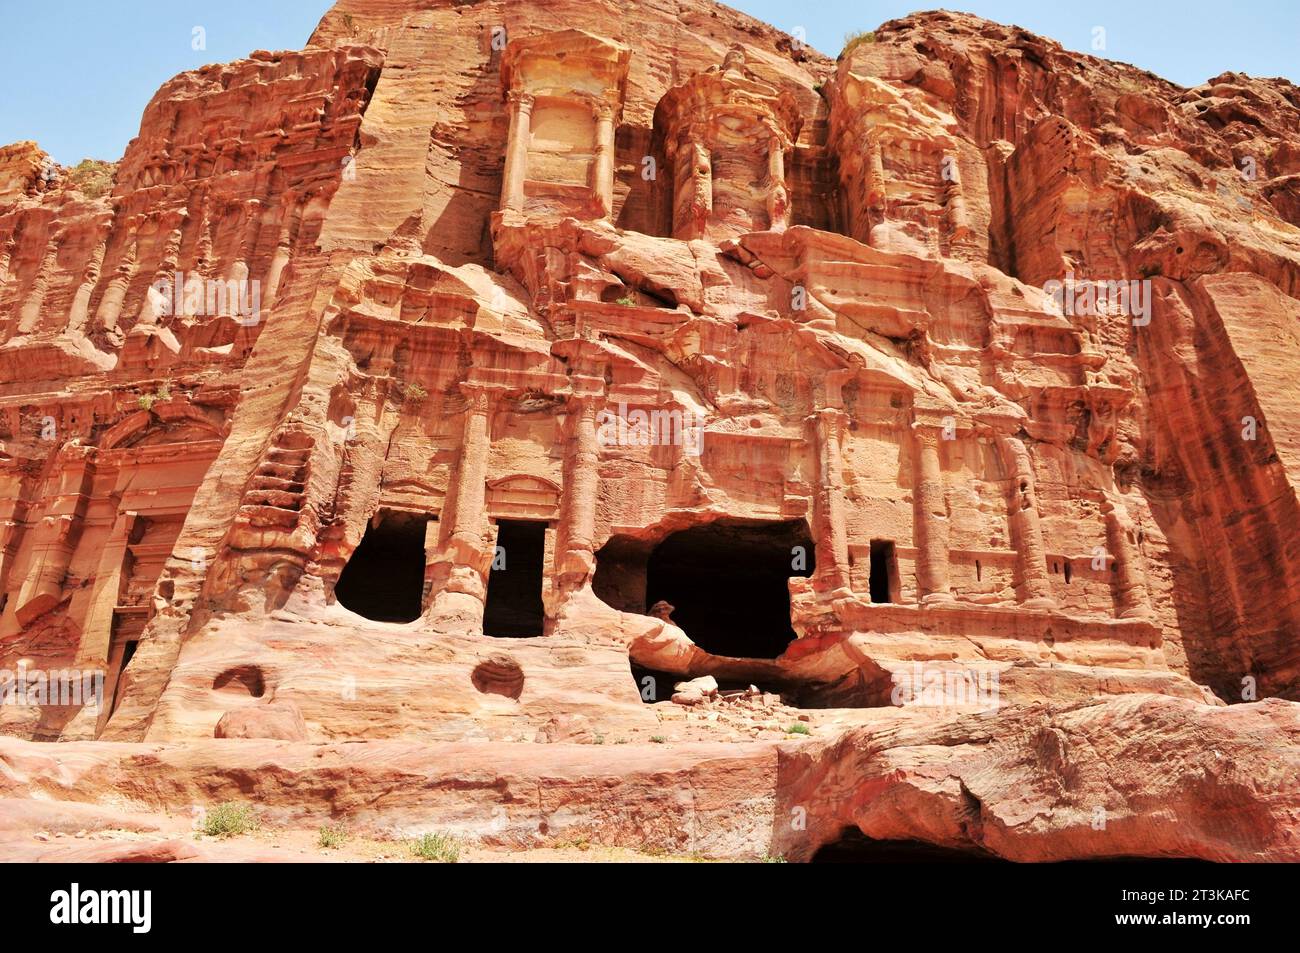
x=565, y=96
x=727, y=134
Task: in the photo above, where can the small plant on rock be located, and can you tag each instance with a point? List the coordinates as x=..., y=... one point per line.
x=415, y=393
x=229, y=820
x=93, y=178
x=853, y=40
x=331, y=838
x=147, y=401
x=439, y=848
x=798, y=728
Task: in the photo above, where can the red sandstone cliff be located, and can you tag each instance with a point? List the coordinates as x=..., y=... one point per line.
x=457, y=246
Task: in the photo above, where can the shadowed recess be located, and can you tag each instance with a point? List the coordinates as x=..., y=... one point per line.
x=728, y=583
x=384, y=579
x=514, y=592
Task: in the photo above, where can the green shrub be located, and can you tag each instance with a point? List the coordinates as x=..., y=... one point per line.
x=416, y=393
x=657, y=739
x=146, y=401
x=798, y=728
x=229, y=820
x=853, y=40
x=331, y=838
x=92, y=178
x=440, y=848
x=626, y=301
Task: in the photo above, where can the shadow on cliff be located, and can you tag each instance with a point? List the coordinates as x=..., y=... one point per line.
x=478, y=148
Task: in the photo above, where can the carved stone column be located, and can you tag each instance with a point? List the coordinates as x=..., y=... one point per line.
x=459, y=574
x=930, y=516
x=163, y=304
x=55, y=538
x=512, y=184
x=604, y=164
x=1032, y=582
x=6, y=256
x=110, y=305
x=958, y=219
x=471, y=476
x=79, y=314
x=778, y=198
x=239, y=295
x=1131, y=598
x=576, y=556
x=30, y=316
x=11, y=527
x=97, y=631
x=829, y=520
x=693, y=191
x=289, y=212
x=875, y=175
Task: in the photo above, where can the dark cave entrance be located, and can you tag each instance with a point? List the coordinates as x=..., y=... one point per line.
x=128, y=653
x=854, y=847
x=384, y=579
x=884, y=571
x=728, y=583
x=514, y=593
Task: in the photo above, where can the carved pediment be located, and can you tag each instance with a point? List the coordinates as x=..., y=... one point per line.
x=523, y=497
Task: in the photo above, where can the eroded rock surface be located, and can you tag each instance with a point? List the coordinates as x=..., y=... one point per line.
x=460, y=385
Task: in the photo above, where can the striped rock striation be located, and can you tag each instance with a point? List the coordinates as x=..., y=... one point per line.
x=484, y=371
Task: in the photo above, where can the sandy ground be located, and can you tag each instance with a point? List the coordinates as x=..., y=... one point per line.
x=286, y=846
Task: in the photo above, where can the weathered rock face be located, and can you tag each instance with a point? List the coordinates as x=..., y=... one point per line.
x=462, y=379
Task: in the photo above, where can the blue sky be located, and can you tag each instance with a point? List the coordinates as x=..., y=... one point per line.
x=77, y=74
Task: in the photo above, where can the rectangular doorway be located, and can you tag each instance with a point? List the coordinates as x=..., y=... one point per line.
x=884, y=571
x=514, y=592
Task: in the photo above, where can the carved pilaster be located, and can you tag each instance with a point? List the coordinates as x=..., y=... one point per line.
x=1131, y=598
x=55, y=538
x=828, y=504
x=576, y=556
x=876, y=192
x=1033, y=585
x=778, y=197
x=79, y=314
x=30, y=316
x=97, y=631
x=930, y=516
x=290, y=211
x=458, y=574
x=603, y=173
x=512, y=184
x=110, y=305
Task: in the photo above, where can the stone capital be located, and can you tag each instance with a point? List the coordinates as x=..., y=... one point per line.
x=927, y=433
x=479, y=397
x=521, y=100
